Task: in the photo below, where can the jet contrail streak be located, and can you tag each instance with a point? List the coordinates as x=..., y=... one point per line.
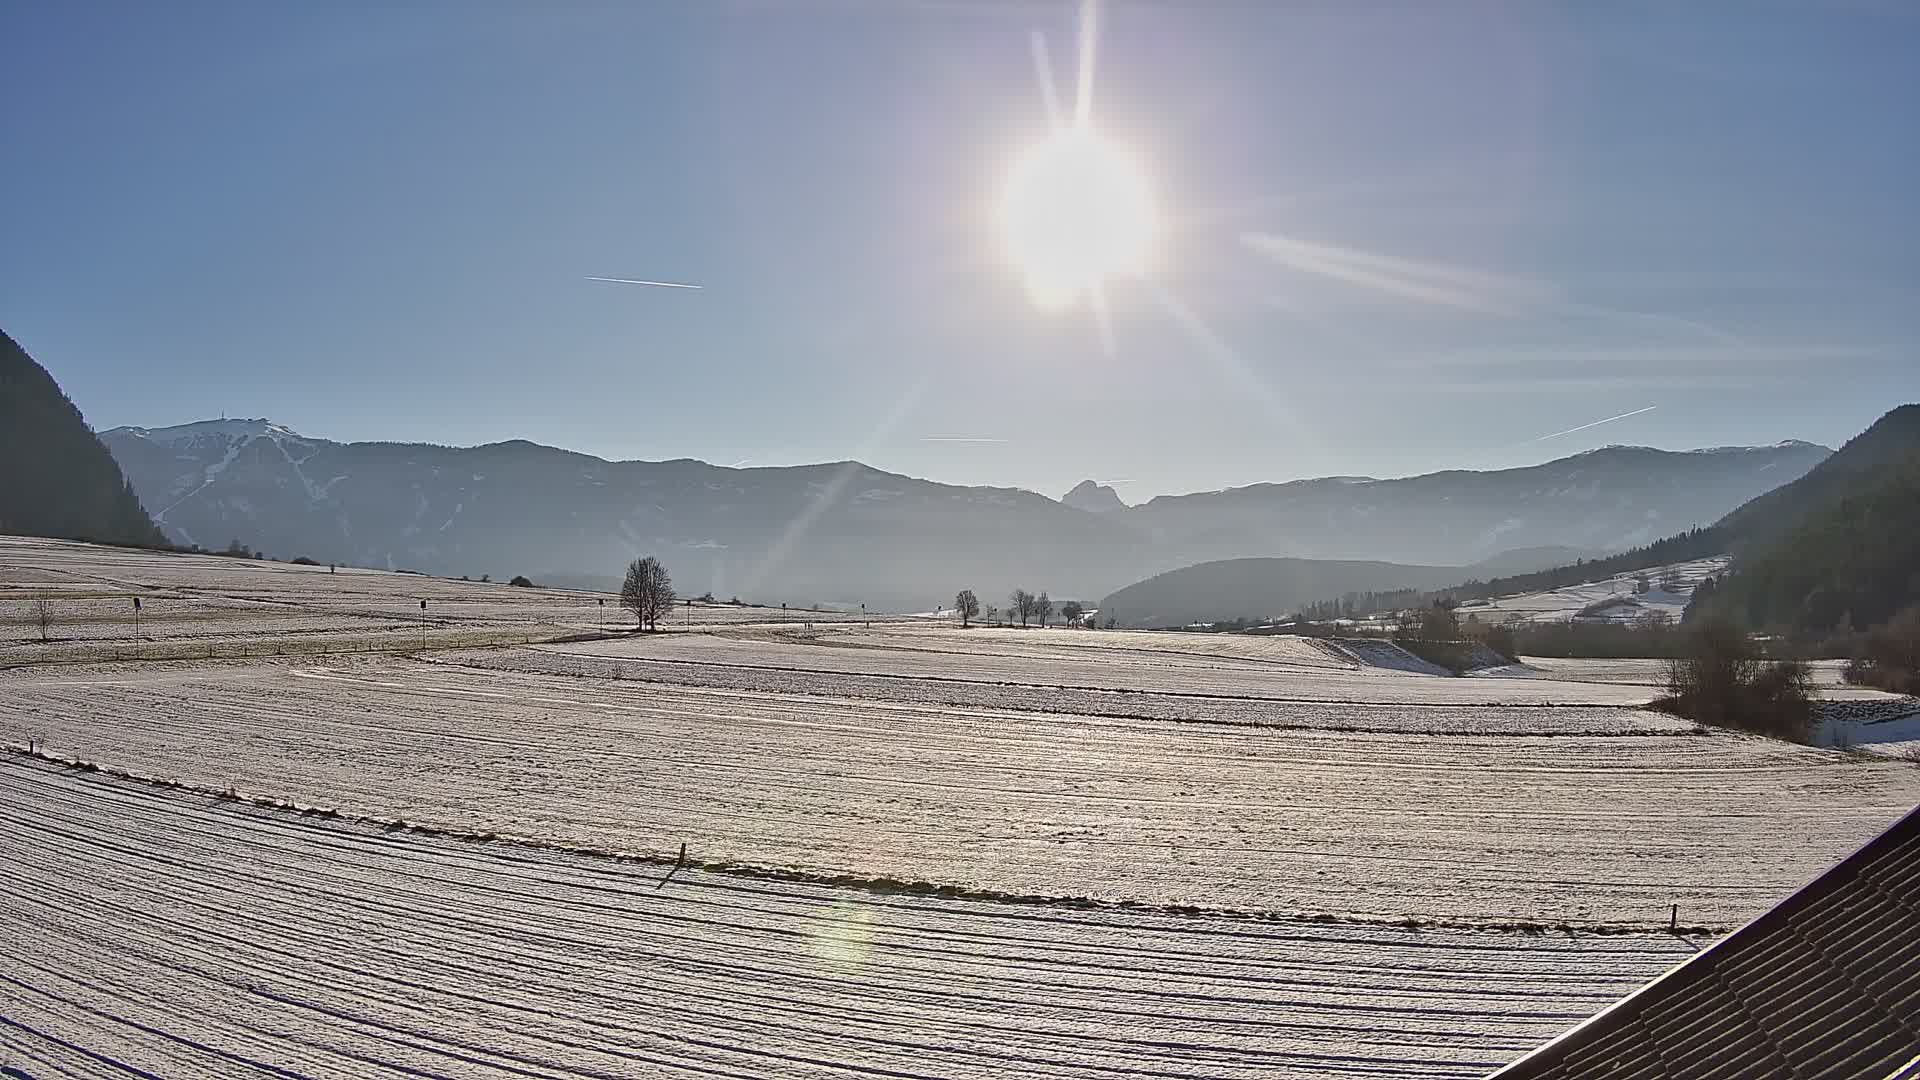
x=637, y=281
x=1596, y=423
x=957, y=438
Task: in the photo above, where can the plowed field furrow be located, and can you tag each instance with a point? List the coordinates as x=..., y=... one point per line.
x=1226, y=677
x=163, y=933
x=1579, y=828
x=1327, y=711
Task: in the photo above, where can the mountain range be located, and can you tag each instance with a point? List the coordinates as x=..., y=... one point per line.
x=845, y=533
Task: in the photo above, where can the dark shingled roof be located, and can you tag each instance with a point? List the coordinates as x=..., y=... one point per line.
x=1826, y=984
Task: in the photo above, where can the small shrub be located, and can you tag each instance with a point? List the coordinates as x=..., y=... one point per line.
x=302, y=560
x=1719, y=679
x=1889, y=655
x=1498, y=637
x=521, y=581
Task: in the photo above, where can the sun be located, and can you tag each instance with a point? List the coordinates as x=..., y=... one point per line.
x=1076, y=210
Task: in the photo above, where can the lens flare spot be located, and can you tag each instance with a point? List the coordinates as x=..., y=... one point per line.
x=844, y=940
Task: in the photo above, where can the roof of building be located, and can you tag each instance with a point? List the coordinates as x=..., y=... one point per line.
x=1825, y=984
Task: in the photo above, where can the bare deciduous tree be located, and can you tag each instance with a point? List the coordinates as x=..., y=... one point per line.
x=1042, y=608
x=1072, y=611
x=43, y=614
x=647, y=591
x=968, y=605
x=1020, y=605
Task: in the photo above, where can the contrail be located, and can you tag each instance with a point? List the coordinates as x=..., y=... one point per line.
x=958, y=438
x=1596, y=423
x=636, y=281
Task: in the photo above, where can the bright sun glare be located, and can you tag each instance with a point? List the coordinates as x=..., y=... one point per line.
x=1076, y=210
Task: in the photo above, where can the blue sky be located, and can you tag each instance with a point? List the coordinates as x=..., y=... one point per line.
x=1397, y=237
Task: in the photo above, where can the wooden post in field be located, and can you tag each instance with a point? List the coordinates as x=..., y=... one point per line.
x=423, y=623
x=1673, y=920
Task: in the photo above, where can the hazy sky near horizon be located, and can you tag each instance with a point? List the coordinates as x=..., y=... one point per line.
x=1396, y=237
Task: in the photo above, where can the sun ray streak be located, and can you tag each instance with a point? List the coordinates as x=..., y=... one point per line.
x=1043, y=73
x=830, y=492
x=1103, y=320
x=1089, y=42
x=1458, y=286
x=1436, y=283
x=1231, y=363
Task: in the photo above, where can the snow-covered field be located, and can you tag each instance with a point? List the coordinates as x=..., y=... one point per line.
x=1567, y=604
x=89, y=593
x=917, y=851
x=1582, y=815
x=1056, y=643
x=179, y=935
x=1144, y=671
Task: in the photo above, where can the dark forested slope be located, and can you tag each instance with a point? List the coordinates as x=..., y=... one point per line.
x=56, y=479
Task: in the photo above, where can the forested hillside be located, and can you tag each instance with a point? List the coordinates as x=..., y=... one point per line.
x=56, y=479
x=1858, y=468
x=1836, y=550
x=1850, y=564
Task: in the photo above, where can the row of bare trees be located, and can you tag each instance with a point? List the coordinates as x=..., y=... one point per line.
x=1021, y=605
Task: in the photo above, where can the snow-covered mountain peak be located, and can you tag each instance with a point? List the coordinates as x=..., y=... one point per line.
x=234, y=430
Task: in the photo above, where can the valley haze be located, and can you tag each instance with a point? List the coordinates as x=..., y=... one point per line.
x=844, y=533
